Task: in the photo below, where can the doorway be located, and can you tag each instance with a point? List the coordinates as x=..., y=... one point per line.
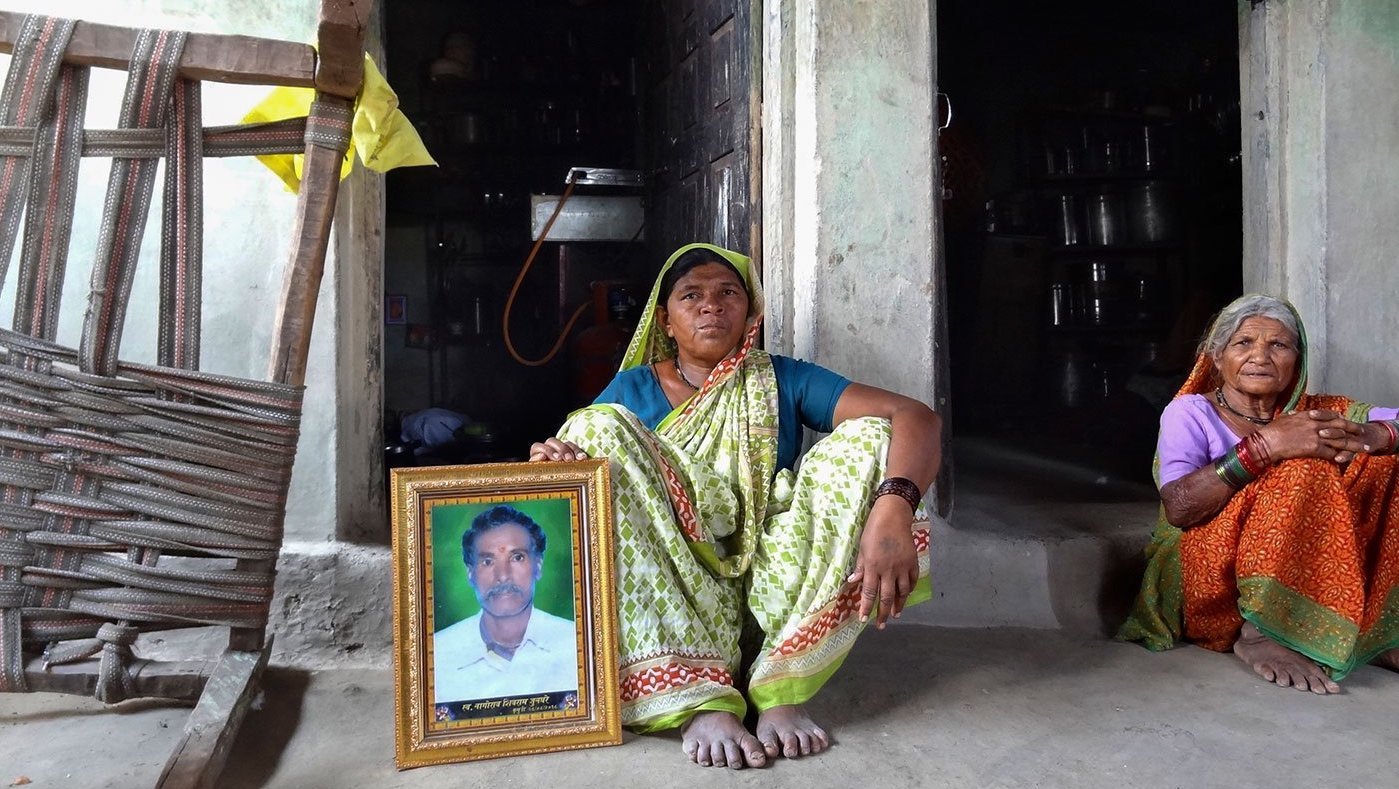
x=1093, y=219
x=643, y=105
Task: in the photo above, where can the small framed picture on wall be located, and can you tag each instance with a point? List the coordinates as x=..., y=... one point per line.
x=395, y=308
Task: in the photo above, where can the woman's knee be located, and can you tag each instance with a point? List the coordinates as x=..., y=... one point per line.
x=866, y=427
x=595, y=428
x=863, y=435
x=1301, y=477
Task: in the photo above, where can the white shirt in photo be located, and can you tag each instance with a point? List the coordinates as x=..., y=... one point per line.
x=545, y=662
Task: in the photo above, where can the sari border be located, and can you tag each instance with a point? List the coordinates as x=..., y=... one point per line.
x=1298, y=623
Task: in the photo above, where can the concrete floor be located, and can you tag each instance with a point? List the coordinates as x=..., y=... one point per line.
x=914, y=706
x=917, y=705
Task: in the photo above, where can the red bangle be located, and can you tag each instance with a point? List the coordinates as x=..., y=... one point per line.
x=1259, y=445
x=902, y=487
x=1393, y=432
x=1246, y=459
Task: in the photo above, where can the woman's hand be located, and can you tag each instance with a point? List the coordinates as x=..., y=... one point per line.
x=1317, y=433
x=556, y=449
x=886, y=568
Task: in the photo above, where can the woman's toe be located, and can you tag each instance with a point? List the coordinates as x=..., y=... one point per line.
x=732, y=757
x=754, y=752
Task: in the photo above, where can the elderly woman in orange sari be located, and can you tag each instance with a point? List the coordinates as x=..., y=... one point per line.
x=1280, y=532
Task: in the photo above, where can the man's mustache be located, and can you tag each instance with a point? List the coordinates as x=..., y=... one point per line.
x=504, y=587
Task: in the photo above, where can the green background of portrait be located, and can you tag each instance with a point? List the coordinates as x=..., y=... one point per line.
x=455, y=600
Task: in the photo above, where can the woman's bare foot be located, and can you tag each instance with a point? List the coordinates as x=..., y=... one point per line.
x=1388, y=659
x=717, y=738
x=1278, y=664
x=788, y=731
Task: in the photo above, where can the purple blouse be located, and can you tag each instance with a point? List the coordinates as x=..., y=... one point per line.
x=1193, y=435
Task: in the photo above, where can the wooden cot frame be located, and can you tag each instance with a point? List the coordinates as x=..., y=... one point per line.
x=225, y=692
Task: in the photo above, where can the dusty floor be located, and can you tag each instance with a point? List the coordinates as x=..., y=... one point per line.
x=914, y=706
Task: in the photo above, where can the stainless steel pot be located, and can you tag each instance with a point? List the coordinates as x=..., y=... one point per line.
x=1102, y=305
x=1067, y=227
x=1105, y=219
x=1151, y=213
x=1060, y=304
x=1152, y=154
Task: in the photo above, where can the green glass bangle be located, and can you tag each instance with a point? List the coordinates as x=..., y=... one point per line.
x=1223, y=475
x=1231, y=470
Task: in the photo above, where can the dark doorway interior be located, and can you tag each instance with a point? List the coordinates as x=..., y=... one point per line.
x=1093, y=217
x=511, y=96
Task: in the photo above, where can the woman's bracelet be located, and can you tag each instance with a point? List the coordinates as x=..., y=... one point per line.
x=1253, y=454
x=1247, y=460
x=1258, y=449
x=1231, y=468
x=1391, y=427
x=902, y=487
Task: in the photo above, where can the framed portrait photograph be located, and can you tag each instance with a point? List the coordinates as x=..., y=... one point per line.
x=505, y=611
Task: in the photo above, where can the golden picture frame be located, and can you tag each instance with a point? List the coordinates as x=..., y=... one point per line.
x=459, y=693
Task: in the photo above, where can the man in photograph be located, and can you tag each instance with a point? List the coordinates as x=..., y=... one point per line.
x=510, y=647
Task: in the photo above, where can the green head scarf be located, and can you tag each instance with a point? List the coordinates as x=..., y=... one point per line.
x=649, y=342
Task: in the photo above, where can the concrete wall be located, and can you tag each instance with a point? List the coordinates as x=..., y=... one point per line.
x=1362, y=141
x=1321, y=151
x=850, y=212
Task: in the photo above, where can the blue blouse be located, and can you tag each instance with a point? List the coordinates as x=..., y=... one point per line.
x=806, y=396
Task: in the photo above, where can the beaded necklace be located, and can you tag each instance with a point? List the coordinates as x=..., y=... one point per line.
x=1223, y=403
x=682, y=374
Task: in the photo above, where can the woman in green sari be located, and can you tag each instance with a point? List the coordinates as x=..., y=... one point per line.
x=715, y=528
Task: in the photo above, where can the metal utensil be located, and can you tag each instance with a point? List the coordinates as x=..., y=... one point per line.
x=1068, y=228
x=1150, y=213
x=1105, y=219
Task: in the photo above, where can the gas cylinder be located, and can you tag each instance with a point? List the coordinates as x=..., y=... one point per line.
x=598, y=349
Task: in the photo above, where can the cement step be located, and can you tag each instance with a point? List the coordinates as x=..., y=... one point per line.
x=1034, y=542
x=1030, y=543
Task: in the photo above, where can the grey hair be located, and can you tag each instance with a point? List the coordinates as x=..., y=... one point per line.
x=1253, y=305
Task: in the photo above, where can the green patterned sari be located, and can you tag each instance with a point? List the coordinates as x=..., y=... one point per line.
x=708, y=533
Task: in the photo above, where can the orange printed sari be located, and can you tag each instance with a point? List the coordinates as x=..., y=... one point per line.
x=1308, y=552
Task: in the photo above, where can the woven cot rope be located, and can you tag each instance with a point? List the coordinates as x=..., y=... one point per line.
x=328, y=126
x=52, y=194
x=157, y=613
x=131, y=375
x=257, y=398
x=34, y=67
x=181, y=538
x=253, y=139
x=210, y=582
x=145, y=104
x=249, y=496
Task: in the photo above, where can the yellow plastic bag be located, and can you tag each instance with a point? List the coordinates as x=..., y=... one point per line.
x=380, y=133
